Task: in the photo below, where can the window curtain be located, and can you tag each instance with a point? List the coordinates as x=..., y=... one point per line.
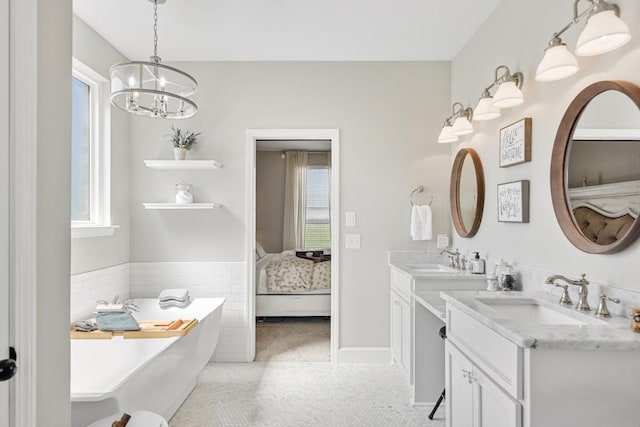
x=295, y=200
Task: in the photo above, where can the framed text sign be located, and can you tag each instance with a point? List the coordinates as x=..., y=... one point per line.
x=515, y=143
x=513, y=201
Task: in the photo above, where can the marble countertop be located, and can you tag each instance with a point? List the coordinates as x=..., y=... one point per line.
x=405, y=267
x=613, y=333
x=432, y=301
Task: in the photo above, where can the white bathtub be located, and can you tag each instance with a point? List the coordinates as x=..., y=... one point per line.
x=156, y=374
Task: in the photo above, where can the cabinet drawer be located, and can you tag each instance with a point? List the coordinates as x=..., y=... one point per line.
x=401, y=283
x=493, y=353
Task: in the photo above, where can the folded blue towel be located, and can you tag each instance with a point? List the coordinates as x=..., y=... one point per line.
x=116, y=321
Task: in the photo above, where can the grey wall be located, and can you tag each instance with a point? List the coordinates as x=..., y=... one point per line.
x=270, y=173
x=89, y=254
x=388, y=114
x=529, y=25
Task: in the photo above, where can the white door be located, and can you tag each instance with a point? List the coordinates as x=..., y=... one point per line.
x=5, y=366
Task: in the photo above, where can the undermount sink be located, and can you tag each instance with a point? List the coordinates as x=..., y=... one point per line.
x=431, y=268
x=532, y=312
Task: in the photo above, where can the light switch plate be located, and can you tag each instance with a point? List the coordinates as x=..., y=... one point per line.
x=352, y=241
x=443, y=241
x=350, y=219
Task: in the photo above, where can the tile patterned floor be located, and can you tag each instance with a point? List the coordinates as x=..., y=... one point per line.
x=290, y=394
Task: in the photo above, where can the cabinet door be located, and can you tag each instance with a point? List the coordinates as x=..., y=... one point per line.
x=396, y=327
x=493, y=406
x=459, y=388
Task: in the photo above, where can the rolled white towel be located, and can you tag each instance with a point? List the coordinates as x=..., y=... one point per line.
x=179, y=294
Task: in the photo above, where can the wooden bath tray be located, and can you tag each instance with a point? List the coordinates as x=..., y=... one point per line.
x=148, y=329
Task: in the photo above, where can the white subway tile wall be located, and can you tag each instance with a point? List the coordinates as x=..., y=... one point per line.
x=87, y=288
x=202, y=279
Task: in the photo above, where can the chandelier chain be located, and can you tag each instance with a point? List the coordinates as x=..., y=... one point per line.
x=155, y=28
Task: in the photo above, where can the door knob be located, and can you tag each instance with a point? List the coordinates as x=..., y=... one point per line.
x=8, y=367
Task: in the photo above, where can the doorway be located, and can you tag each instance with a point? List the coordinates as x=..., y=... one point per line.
x=281, y=140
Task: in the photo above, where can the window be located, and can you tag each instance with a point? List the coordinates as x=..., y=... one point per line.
x=90, y=147
x=317, y=232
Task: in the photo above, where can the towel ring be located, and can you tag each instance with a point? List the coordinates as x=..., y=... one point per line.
x=420, y=189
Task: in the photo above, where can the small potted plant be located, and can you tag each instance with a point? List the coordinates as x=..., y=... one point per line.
x=182, y=141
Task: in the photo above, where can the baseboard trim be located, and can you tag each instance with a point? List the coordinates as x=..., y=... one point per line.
x=367, y=355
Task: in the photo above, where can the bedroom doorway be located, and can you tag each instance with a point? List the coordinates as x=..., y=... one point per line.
x=292, y=245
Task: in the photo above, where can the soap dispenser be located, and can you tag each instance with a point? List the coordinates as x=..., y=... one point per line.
x=477, y=265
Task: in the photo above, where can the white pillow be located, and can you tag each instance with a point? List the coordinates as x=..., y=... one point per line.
x=260, y=252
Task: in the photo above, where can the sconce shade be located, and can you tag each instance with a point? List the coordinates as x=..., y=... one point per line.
x=557, y=63
x=508, y=95
x=446, y=135
x=462, y=126
x=485, y=110
x=603, y=33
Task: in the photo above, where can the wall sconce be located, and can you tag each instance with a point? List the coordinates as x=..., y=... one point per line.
x=461, y=119
x=604, y=32
x=507, y=95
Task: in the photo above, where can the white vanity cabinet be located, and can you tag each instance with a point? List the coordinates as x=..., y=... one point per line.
x=401, y=327
x=493, y=382
x=401, y=331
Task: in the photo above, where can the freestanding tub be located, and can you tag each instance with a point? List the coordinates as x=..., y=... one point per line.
x=153, y=374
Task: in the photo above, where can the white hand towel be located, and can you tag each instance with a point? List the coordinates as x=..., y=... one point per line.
x=421, y=223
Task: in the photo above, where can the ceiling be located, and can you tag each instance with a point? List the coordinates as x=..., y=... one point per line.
x=289, y=30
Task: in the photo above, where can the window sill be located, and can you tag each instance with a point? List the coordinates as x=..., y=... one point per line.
x=84, y=231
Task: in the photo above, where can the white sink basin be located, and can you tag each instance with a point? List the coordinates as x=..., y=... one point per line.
x=532, y=312
x=431, y=268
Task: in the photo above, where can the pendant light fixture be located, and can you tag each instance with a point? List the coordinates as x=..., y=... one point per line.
x=604, y=32
x=153, y=89
x=507, y=95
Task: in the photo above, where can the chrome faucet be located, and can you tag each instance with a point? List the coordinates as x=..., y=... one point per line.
x=583, y=304
x=454, y=258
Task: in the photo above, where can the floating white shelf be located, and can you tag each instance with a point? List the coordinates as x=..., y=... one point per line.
x=182, y=164
x=182, y=206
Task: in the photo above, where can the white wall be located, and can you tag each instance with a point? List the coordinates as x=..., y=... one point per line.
x=388, y=115
x=516, y=35
x=88, y=254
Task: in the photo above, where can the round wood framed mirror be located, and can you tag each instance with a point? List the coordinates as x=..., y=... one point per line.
x=595, y=168
x=467, y=192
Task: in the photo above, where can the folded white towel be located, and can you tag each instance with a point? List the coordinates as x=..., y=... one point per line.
x=174, y=294
x=421, y=222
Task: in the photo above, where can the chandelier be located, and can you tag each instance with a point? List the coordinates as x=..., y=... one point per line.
x=153, y=89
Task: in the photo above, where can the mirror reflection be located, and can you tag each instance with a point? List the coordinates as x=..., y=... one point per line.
x=603, y=168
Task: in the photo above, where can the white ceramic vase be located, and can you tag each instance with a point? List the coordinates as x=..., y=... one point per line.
x=179, y=153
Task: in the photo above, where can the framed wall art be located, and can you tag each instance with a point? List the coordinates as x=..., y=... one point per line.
x=513, y=201
x=515, y=143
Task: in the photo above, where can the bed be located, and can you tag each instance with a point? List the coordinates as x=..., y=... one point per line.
x=289, y=286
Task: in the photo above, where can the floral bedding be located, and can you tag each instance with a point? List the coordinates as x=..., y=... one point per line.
x=291, y=274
